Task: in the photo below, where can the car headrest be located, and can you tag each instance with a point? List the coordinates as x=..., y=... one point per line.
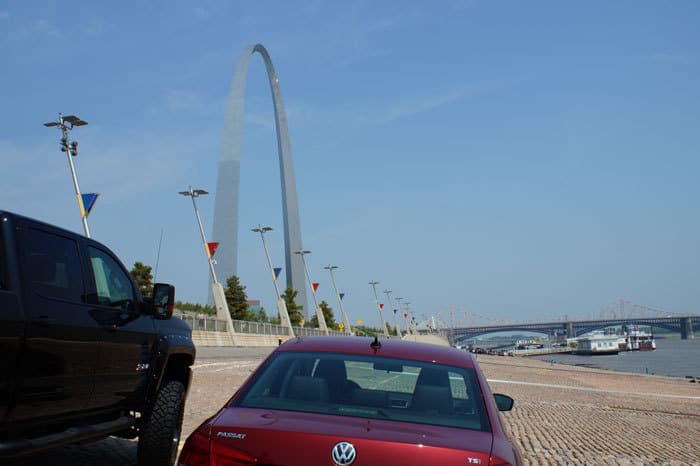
x=306, y=388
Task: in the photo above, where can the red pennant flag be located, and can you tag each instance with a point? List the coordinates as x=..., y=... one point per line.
x=315, y=286
x=211, y=248
x=381, y=306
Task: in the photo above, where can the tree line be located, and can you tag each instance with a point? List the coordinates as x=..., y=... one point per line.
x=237, y=301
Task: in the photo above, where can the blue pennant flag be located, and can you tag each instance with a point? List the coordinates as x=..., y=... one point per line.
x=277, y=272
x=341, y=296
x=88, y=202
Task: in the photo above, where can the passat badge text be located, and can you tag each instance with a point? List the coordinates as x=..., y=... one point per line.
x=231, y=435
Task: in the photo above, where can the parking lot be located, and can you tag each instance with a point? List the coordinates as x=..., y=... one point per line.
x=563, y=414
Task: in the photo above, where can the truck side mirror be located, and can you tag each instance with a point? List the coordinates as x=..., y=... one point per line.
x=163, y=300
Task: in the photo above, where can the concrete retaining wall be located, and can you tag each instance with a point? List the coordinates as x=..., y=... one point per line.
x=204, y=338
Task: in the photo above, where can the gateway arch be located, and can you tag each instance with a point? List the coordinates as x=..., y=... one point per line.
x=228, y=179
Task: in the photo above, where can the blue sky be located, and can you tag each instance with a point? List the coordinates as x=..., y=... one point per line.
x=517, y=160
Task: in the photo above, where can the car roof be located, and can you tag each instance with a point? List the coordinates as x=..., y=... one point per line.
x=389, y=347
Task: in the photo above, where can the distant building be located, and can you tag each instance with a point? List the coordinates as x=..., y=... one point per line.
x=254, y=305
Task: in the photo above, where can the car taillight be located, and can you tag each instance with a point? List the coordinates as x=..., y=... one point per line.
x=196, y=449
x=223, y=454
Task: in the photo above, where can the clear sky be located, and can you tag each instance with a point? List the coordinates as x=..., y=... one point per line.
x=519, y=160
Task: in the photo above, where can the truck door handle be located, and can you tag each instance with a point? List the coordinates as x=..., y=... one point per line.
x=44, y=321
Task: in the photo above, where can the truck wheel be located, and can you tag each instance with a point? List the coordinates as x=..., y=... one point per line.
x=160, y=434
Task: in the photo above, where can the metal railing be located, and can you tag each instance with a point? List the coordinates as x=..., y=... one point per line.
x=210, y=324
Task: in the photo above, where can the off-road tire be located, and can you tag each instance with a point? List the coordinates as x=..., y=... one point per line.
x=160, y=433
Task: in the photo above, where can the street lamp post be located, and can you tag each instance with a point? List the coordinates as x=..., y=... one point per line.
x=319, y=314
x=281, y=305
x=393, y=310
x=346, y=321
x=409, y=318
x=398, y=306
x=217, y=291
x=65, y=124
x=374, y=284
x=194, y=194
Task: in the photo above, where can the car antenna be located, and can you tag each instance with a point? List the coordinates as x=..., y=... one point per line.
x=375, y=344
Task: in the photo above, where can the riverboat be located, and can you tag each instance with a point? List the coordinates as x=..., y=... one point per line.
x=638, y=340
x=597, y=344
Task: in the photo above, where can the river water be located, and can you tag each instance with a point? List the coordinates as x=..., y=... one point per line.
x=673, y=357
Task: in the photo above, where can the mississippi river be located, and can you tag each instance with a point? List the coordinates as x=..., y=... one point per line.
x=673, y=357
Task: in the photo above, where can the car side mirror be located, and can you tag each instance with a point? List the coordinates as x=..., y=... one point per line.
x=163, y=300
x=504, y=402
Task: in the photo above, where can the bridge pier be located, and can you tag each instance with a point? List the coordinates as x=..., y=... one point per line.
x=569, y=329
x=687, y=328
x=450, y=334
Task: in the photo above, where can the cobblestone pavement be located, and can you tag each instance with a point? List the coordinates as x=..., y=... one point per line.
x=563, y=414
x=579, y=416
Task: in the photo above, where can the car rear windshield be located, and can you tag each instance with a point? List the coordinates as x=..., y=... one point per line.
x=369, y=387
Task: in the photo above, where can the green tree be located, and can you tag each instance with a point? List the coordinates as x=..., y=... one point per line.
x=143, y=277
x=293, y=309
x=361, y=330
x=327, y=316
x=195, y=308
x=257, y=316
x=236, y=299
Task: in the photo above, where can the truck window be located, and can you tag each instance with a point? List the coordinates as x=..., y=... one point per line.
x=52, y=265
x=114, y=288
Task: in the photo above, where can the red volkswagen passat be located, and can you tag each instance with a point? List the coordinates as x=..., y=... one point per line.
x=357, y=401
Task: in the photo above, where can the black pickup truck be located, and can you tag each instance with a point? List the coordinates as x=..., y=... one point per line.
x=82, y=354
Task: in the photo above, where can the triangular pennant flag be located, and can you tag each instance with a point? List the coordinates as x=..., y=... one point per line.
x=211, y=248
x=314, y=286
x=277, y=272
x=341, y=296
x=381, y=306
x=87, y=201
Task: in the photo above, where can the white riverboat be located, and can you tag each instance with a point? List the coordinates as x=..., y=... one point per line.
x=638, y=339
x=597, y=344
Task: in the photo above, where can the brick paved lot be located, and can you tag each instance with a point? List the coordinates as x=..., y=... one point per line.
x=563, y=414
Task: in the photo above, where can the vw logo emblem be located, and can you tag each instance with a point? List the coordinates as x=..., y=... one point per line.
x=343, y=453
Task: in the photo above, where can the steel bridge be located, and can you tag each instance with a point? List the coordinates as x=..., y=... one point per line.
x=572, y=328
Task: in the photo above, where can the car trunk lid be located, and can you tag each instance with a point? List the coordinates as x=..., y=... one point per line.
x=282, y=438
